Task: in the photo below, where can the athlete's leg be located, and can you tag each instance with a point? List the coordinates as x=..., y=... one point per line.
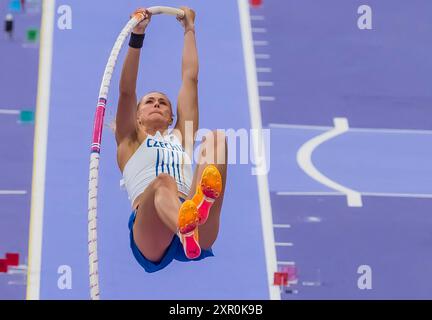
x=157, y=215
x=213, y=151
x=166, y=201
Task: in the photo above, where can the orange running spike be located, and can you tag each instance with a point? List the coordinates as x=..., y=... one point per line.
x=188, y=217
x=188, y=222
x=211, y=182
x=208, y=191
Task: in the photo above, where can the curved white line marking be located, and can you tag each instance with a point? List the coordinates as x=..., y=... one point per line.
x=304, y=159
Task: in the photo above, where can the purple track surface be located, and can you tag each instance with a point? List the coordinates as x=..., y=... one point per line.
x=18, y=80
x=238, y=268
x=314, y=65
x=323, y=67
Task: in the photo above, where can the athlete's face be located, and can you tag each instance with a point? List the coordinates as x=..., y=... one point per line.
x=154, y=110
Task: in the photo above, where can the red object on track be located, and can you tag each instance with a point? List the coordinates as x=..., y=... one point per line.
x=255, y=3
x=280, y=279
x=3, y=266
x=12, y=259
x=291, y=271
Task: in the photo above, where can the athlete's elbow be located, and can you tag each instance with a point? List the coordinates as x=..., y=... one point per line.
x=190, y=75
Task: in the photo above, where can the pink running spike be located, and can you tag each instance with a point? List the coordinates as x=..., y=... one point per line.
x=193, y=249
x=204, y=210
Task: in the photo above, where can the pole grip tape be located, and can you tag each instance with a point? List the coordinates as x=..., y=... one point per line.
x=98, y=124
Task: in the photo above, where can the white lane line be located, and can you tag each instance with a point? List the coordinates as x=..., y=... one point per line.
x=259, y=30
x=21, y=269
x=12, y=192
x=261, y=43
x=286, y=263
x=256, y=124
x=365, y=194
x=365, y=130
x=40, y=150
x=257, y=18
x=311, y=283
x=262, y=56
x=9, y=111
x=284, y=244
x=307, y=193
x=398, y=195
x=264, y=70
x=297, y=126
x=304, y=160
x=265, y=84
x=313, y=219
x=397, y=131
x=266, y=98
x=281, y=226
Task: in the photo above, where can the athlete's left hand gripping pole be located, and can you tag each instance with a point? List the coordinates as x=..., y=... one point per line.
x=95, y=155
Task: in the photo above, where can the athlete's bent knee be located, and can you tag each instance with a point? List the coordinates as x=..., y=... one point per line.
x=164, y=180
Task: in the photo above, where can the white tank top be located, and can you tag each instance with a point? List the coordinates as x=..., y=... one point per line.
x=156, y=155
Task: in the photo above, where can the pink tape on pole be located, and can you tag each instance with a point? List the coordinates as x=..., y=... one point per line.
x=98, y=124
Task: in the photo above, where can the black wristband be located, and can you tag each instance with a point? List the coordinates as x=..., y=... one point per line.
x=136, y=40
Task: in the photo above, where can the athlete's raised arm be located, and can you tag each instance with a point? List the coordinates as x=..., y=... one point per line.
x=187, y=108
x=127, y=104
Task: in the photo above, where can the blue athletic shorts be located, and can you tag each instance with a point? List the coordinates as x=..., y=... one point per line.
x=174, y=251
